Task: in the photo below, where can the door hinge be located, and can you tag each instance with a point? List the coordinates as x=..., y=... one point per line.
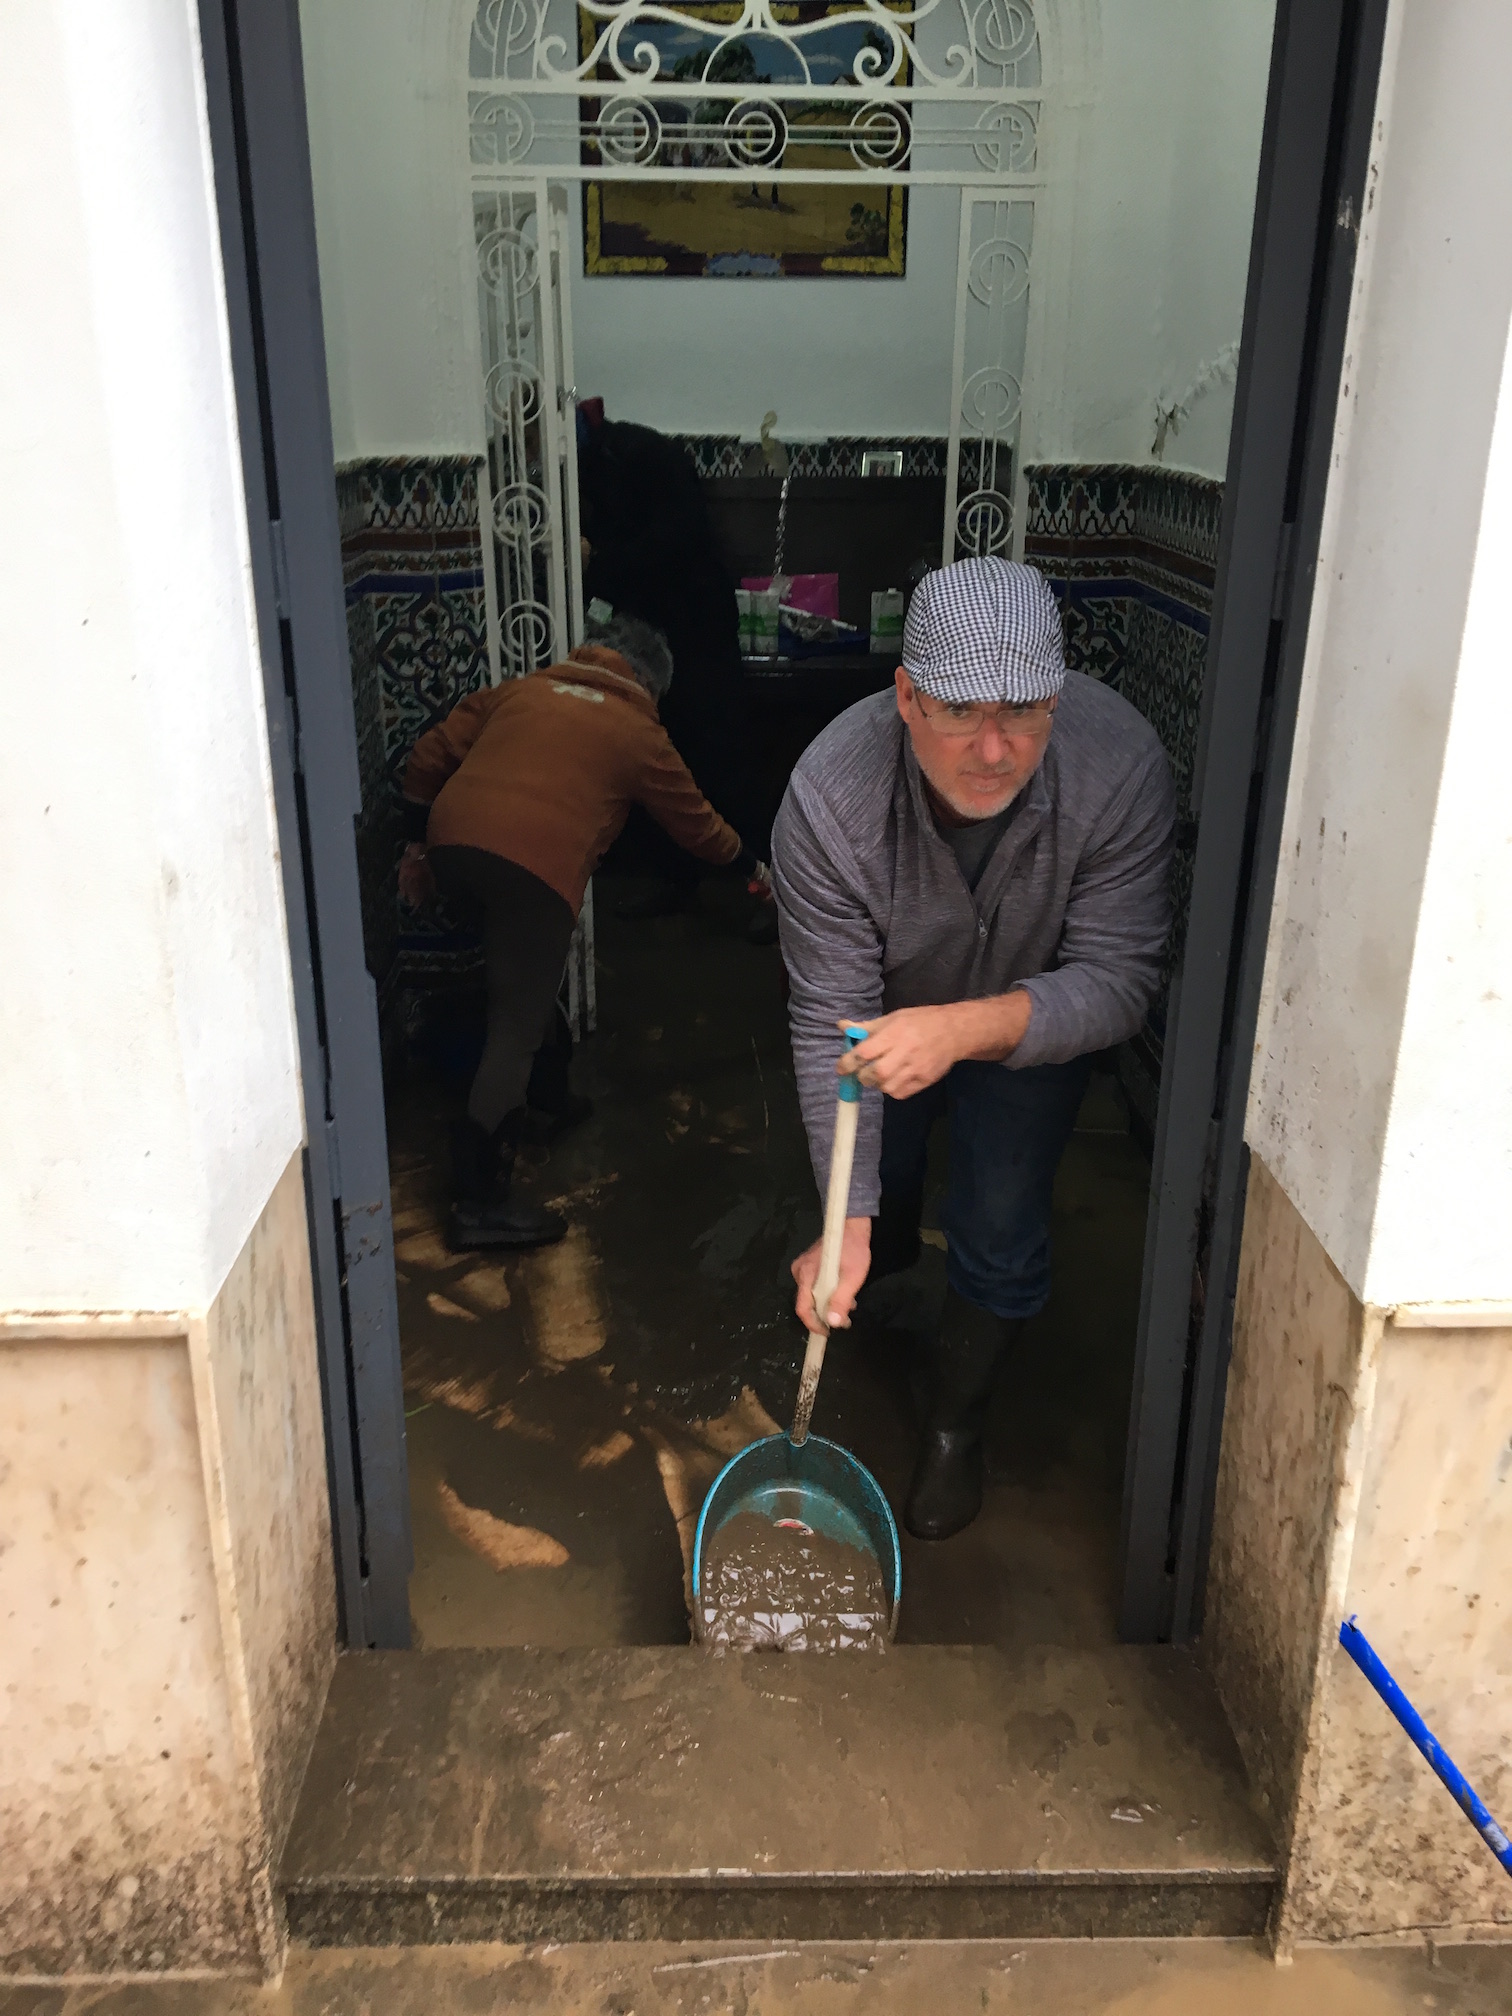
x=280, y=568
x=291, y=729
x=333, y=1159
x=1263, y=734
x=1282, y=577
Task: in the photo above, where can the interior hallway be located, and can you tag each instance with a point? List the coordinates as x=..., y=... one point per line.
x=568, y=1409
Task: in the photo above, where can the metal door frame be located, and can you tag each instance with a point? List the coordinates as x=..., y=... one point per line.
x=1325, y=65
x=254, y=91
x=1320, y=110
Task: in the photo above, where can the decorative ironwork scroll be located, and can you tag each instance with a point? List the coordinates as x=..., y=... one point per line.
x=699, y=224
x=992, y=323
x=926, y=92
x=522, y=480
x=522, y=40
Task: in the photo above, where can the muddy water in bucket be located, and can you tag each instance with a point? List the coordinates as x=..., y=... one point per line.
x=781, y=1587
x=796, y=1551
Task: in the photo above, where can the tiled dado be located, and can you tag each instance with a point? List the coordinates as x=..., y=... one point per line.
x=412, y=563
x=1132, y=555
x=730, y=455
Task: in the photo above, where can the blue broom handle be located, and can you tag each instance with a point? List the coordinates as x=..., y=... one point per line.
x=1365, y=1656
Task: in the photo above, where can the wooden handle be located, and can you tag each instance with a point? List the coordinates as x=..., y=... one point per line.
x=842, y=1158
x=842, y=1161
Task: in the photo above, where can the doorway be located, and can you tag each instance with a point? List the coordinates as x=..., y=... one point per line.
x=1145, y=564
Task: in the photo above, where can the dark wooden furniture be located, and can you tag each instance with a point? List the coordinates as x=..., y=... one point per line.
x=870, y=530
x=790, y=701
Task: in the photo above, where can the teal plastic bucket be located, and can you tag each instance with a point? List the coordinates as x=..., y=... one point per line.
x=815, y=1482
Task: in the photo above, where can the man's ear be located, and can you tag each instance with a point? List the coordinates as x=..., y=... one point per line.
x=904, y=688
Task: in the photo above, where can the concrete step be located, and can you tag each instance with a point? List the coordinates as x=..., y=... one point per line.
x=934, y=1792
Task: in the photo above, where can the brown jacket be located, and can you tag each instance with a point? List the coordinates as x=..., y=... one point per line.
x=544, y=770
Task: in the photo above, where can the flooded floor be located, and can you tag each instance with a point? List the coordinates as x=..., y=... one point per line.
x=1109, y=1977
x=567, y=1409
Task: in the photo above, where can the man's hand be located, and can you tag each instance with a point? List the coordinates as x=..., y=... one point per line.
x=855, y=1259
x=914, y=1047
x=417, y=879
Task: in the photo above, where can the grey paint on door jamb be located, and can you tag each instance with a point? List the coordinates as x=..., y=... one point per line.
x=255, y=99
x=1325, y=69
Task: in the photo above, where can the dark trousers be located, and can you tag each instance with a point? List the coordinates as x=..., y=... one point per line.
x=1008, y=1130
x=526, y=928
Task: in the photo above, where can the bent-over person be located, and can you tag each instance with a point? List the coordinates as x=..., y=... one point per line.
x=512, y=801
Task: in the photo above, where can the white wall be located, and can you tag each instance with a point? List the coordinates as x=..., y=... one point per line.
x=1148, y=283
x=1382, y=1098
x=385, y=82
x=149, y=1101
x=1148, y=241
x=828, y=356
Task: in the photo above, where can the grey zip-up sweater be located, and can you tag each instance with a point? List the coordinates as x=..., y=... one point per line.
x=875, y=914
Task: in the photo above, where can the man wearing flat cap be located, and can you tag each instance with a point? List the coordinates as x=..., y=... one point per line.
x=975, y=869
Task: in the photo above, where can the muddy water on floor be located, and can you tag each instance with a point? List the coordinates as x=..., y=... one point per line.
x=568, y=1410
x=777, y=1586
x=1076, y=1977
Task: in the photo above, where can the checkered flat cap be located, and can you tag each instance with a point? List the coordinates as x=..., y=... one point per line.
x=985, y=632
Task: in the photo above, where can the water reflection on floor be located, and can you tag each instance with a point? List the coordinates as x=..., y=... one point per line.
x=568, y=1409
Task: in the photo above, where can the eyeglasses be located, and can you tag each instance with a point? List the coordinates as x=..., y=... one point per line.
x=956, y=719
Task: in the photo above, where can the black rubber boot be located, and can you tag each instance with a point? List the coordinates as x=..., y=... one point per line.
x=483, y=1213
x=945, y=1494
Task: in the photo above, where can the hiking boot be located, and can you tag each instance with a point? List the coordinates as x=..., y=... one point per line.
x=484, y=1214
x=945, y=1493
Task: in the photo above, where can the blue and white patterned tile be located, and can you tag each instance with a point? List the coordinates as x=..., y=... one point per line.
x=1181, y=513
x=1132, y=555
x=1163, y=676
x=412, y=563
x=1096, y=625
x=724, y=455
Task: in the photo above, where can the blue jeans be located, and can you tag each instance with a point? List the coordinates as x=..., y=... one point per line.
x=1008, y=1130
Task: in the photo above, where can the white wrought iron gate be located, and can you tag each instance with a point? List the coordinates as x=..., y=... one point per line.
x=527, y=484
x=940, y=93
x=983, y=490
x=533, y=591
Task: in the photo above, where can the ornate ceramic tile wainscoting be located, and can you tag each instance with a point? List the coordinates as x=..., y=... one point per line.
x=1132, y=554
x=727, y=454
x=413, y=571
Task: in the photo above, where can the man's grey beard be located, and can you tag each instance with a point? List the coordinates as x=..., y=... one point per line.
x=972, y=814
